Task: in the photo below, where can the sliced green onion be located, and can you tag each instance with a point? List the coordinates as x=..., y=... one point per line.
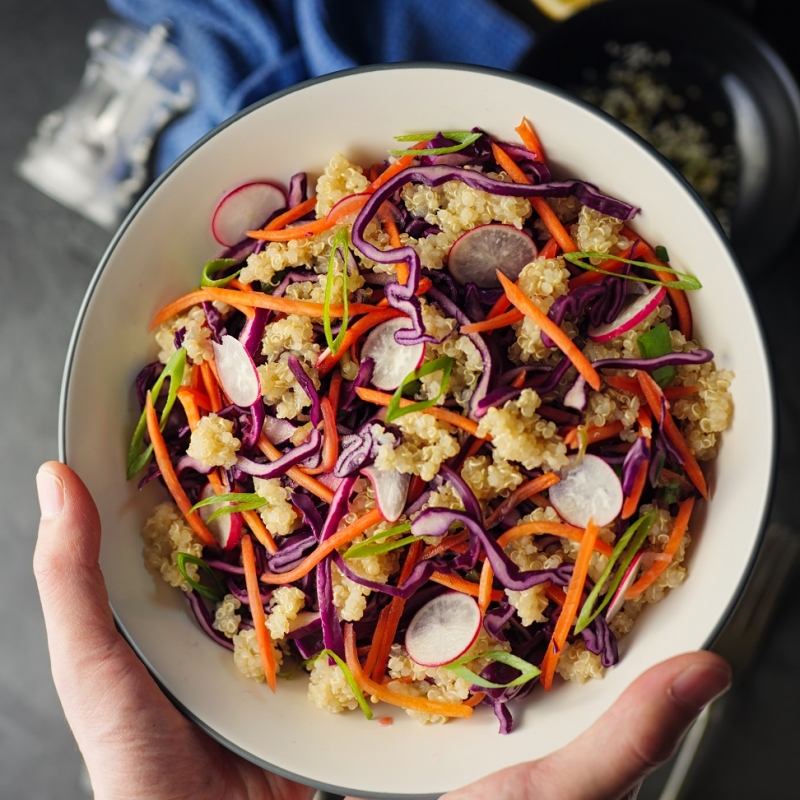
x=583, y=444
x=342, y=240
x=379, y=548
x=348, y=676
x=529, y=672
x=657, y=342
x=357, y=550
x=687, y=282
x=661, y=253
x=182, y=558
x=173, y=369
x=671, y=493
x=239, y=501
x=439, y=151
x=445, y=364
x=642, y=525
x=215, y=266
x=456, y=136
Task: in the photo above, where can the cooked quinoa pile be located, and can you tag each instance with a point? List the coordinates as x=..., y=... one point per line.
x=468, y=478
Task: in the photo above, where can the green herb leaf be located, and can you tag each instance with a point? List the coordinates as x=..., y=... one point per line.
x=456, y=136
x=205, y=591
x=173, y=369
x=636, y=539
x=529, y=672
x=661, y=253
x=348, y=676
x=239, y=501
x=657, y=342
x=445, y=364
x=686, y=282
x=341, y=240
x=376, y=545
x=439, y=151
x=215, y=266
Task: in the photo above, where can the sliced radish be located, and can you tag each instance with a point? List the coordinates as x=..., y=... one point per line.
x=576, y=396
x=589, y=490
x=630, y=316
x=277, y=430
x=443, y=629
x=245, y=208
x=628, y=579
x=237, y=372
x=476, y=254
x=393, y=361
x=227, y=528
x=391, y=489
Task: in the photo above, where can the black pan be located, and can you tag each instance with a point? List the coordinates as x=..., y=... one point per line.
x=739, y=89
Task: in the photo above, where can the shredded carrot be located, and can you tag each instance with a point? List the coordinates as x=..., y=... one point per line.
x=292, y=215
x=631, y=385
x=520, y=494
x=171, y=479
x=530, y=139
x=327, y=360
x=561, y=340
x=389, y=225
x=505, y=162
x=257, y=610
x=588, y=277
x=475, y=699
x=242, y=287
x=457, y=420
x=645, y=422
x=370, y=687
x=200, y=399
x=502, y=304
x=415, y=489
x=570, y=608
x=500, y=321
x=377, y=636
x=335, y=391
x=485, y=587
x=554, y=529
x=340, y=538
x=595, y=433
x=189, y=403
x=394, y=169
x=653, y=394
x=464, y=586
x=673, y=543
x=632, y=500
x=550, y=250
x=556, y=594
x=256, y=525
x=295, y=473
x=451, y=542
x=196, y=297
x=330, y=446
x=212, y=388
x=519, y=381
x=422, y=287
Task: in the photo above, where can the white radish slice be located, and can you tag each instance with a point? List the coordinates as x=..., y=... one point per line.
x=630, y=316
x=476, y=254
x=391, y=490
x=590, y=490
x=393, y=361
x=227, y=528
x=443, y=629
x=237, y=372
x=628, y=579
x=245, y=208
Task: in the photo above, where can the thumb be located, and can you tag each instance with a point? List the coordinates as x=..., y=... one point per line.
x=639, y=732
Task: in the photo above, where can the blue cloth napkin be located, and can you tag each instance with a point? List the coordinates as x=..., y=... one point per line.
x=244, y=50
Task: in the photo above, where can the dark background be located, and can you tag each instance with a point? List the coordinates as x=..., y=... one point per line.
x=47, y=257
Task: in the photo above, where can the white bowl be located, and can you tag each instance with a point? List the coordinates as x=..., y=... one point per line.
x=156, y=256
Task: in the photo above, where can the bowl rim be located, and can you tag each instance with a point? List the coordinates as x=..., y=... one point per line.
x=445, y=66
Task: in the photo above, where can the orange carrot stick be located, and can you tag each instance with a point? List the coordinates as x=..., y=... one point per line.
x=485, y=587
x=653, y=394
x=377, y=636
x=500, y=321
x=673, y=543
x=257, y=610
x=458, y=421
x=588, y=277
x=520, y=494
x=561, y=340
x=212, y=387
x=292, y=215
x=632, y=500
x=556, y=594
x=199, y=399
x=554, y=529
x=631, y=385
x=570, y=608
x=529, y=138
x=171, y=479
x=519, y=381
x=502, y=304
x=422, y=287
x=395, y=168
x=330, y=446
x=475, y=699
x=464, y=586
x=237, y=284
x=389, y=225
x=594, y=433
x=335, y=391
x=446, y=543
x=295, y=473
x=340, y=538
x=186, y=396
x=370, y=687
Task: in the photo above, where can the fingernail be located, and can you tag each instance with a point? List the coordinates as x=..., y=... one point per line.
x=699, y=684
x=51, y=493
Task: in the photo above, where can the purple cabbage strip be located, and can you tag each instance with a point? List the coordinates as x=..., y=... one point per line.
x=638, y=454
x=698, y=356
x=145, y=379
x=308, y=387
x=298, y=189
x=601, y=641
x=437, y=521
x=403, y=299
x=295, y=276
x=574, y=303
x=332, y=636
x=253, y=331
x=349, y=397
x=467, y=496
x=357, y=450
x=419, y=228
x=187, y=462
x=503, y=714
x=495, y=620
x=277, y=468
x=553, y=377
x=418, y=577
x=249, y=421
x=204, y=620
x=494, y=399
x=214, y=321
x=240, y=593
x=178, y=337
x=224, y=566
x=312, y=627
x=657, y=462
x=310, y=512
x=239, y=252
x=338, y=508
x=472, y=303
x=292, y=550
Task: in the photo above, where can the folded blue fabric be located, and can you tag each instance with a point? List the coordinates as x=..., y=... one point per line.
x=244, y=50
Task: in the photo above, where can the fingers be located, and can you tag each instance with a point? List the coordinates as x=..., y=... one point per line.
x=638, y=733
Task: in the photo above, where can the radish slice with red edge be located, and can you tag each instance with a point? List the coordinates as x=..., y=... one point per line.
x=237, y=372
x=590, y=490
x=630, y=316
x=391, y=490
x=443, y=629
x=628, y=579
x=477, y=254
x=393, y=361
x=245, y=208
x=227, y=528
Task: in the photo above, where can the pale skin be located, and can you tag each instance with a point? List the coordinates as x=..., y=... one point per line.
x=138, y=745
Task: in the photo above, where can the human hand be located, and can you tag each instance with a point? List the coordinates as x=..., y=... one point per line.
x=134, y=741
